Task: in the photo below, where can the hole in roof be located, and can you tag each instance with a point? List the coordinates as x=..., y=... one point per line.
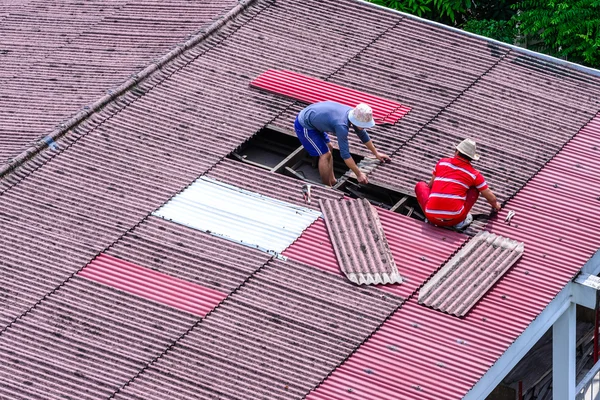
x=383, y=197
x=280, y=151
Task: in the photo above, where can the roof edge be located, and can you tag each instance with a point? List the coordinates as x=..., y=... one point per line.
x=545, y=57
x=519, y=348
x=123, y=88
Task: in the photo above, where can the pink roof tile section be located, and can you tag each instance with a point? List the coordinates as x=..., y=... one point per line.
x=152, y=285
x=312, y=90
x=418, y=248
x=84, y=341
x=470, y=273
x=359, y=242
x=438, y=356
x=274, y=338
x=270, y=184
x=78, y=51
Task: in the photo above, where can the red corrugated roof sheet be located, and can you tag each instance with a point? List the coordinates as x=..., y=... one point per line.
x=312, y=90
x=437, y=356
x=418, y=249
x=152, y=285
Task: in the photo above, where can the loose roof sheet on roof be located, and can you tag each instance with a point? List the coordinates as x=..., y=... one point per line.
x=105, y=176
x=359, y=242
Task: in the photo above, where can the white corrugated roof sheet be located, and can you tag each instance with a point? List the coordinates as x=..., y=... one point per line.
x=238, y=215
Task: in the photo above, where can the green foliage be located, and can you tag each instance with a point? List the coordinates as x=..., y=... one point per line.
x=504, y=31
x=415, y=7
x=437, y=10
x=569, y=28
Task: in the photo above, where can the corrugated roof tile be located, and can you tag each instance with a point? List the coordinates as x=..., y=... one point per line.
x=274, y=338
x=152, y=285
x=359, y=242
x=418, y=248
x=238, y=215
x=311, y=90
x=470, y=273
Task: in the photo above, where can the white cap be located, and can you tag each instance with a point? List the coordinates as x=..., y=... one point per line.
x=468, y=147
x=362, y=116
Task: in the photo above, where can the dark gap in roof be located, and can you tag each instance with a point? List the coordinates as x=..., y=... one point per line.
x=280, y=151
x=383, y=197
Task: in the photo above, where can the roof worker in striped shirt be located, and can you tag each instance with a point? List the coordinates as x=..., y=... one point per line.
x=313, y=124
x=454, y=188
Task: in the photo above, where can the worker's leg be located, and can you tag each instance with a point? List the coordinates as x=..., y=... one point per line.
x=472, y=196
x=314, y=143
x=463, y=220
x=422, y=192
x=326, y=169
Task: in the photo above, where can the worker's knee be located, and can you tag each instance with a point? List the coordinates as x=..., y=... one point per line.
x=325, y=157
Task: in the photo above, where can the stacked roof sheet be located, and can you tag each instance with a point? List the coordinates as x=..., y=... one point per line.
x=359, y=242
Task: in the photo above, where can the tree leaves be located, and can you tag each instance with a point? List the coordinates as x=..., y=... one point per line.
x=566, y=29
x=569, y=29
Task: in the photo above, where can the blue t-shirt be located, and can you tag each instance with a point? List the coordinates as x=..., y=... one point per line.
x=331, y=117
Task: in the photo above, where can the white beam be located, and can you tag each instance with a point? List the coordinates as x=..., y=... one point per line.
x=521, y=346
x=592, y=266
x=584, y=290
x=563, y=355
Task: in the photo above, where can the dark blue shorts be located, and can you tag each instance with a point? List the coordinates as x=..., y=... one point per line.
x=314, y=142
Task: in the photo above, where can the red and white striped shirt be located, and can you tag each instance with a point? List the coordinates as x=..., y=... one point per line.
x=453, y=178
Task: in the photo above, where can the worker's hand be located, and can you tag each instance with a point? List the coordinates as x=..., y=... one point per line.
x=330, y=146
x=362, y=178
x=383, y=157
x=497, y=206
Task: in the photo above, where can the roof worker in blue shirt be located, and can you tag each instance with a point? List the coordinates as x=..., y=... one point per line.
x=313, y=124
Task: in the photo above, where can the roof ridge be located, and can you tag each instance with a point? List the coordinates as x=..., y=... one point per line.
x=535, y=54
x=113, y=94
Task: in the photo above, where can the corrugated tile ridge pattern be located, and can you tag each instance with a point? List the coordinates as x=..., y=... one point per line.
x=308, y=89
x=441, y=110
x=50, y=145
x=467, y=276
x=152, y=285
x=359, y=242
x=122, y=89
x=494, y=323
x=412, y=296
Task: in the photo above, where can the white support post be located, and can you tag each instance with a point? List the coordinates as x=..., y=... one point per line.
x=563, y=355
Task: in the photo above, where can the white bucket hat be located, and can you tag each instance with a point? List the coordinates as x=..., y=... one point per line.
x=362, y=116
x=468, y=147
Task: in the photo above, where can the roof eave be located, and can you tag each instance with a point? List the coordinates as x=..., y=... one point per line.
x=538, y=327
x=532, y=53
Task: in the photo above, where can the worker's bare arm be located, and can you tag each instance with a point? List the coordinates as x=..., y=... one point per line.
x=491, y=198
x=362, y=178
x=380, y=156
x=430, y=184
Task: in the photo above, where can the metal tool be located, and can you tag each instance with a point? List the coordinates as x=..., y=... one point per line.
x=509, y=216
x=306, y=193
